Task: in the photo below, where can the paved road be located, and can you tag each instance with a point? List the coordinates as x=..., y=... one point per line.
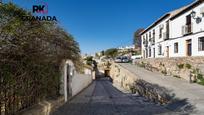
x=101, y=98
x=193, y=93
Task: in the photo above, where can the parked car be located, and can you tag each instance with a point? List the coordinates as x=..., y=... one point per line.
x=118, y=60
x=122, y=59
x=125, y=59
x=136, y=57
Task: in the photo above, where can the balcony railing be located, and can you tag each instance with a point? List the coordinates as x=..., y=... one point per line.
x=166, y=35
x=187, y=29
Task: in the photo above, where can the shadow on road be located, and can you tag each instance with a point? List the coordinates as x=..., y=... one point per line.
x=102, y=98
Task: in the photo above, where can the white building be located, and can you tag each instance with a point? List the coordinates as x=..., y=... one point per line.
x=126, y=47
x=176, y=34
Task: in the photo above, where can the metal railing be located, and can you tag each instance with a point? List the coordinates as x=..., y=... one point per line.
x=166, y=35
x=187, y=29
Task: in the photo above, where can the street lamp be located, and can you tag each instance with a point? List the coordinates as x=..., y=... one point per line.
x=193, y=15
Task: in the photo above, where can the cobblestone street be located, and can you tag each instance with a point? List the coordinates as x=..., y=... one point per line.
x=101, y=98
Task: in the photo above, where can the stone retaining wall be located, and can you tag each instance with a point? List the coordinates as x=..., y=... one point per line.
x=122, y=76
x=177, y=67
x=136, y=84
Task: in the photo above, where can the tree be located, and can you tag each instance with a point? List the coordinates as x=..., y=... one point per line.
x=137, y=38
x=31, y=53
x=89, y=60
x=112, y=52
x=102, y=53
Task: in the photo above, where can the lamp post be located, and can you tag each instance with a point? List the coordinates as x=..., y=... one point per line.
x=193, y=15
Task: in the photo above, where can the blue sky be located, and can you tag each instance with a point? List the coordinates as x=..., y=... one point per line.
x=102, y=24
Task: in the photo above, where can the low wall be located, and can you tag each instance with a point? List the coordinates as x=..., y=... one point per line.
x=122, y=76
x=178, y=67
x=44, y=107
x=79, y=82
x=135, y=84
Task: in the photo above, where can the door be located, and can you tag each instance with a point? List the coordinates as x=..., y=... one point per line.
x=68, y=77
x=188, y=47
x=167, y=51
x=154, y=52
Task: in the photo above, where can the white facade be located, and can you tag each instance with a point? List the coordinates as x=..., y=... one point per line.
x=176, y=34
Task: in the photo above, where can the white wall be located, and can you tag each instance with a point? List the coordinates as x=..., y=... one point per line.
x=175, y=34
x=177, y=23
x=79, y=82
x=158, y=41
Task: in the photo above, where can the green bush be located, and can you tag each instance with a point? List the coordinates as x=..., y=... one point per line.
x=188, y=66
x=200, y=76
x=180, y=66
x=176, y=76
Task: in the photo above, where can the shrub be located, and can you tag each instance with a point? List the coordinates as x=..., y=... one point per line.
x=176, y=76
x=200, y=76
x=180, y=66
x=188, y=66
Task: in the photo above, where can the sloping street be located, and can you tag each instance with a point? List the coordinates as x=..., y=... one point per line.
x=101, y=98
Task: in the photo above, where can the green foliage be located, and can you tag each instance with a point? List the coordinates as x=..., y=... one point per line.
x=31, y=54
x=200, y=76
x=188, y=66
x=89, y=60
x=111, y=52
x=137, y=38
x=180, y=66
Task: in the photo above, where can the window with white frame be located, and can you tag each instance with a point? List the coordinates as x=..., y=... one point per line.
x=201, y=44
x=176, y=47
x=159, y=50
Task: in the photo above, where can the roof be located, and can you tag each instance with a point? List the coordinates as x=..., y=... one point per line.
x=187, y=8
x=174, y=14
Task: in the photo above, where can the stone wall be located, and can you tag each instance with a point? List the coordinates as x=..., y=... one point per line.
x=121, y=76
x=177, y=67
x=135, y=84
x=79, y=82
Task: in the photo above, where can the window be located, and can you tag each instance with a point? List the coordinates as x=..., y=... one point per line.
x=176, y=47
x=150, y=36
x=159, y=50
x=150, y=52
x=153, y=40
x=201, y=44
x=160, y=32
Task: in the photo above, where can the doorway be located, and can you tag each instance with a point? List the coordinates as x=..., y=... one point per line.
x=154, y=52
x=167, y=51
x=188, y=47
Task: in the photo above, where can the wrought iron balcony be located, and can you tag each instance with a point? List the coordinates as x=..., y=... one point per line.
x=166, y=35
x=187, y=29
